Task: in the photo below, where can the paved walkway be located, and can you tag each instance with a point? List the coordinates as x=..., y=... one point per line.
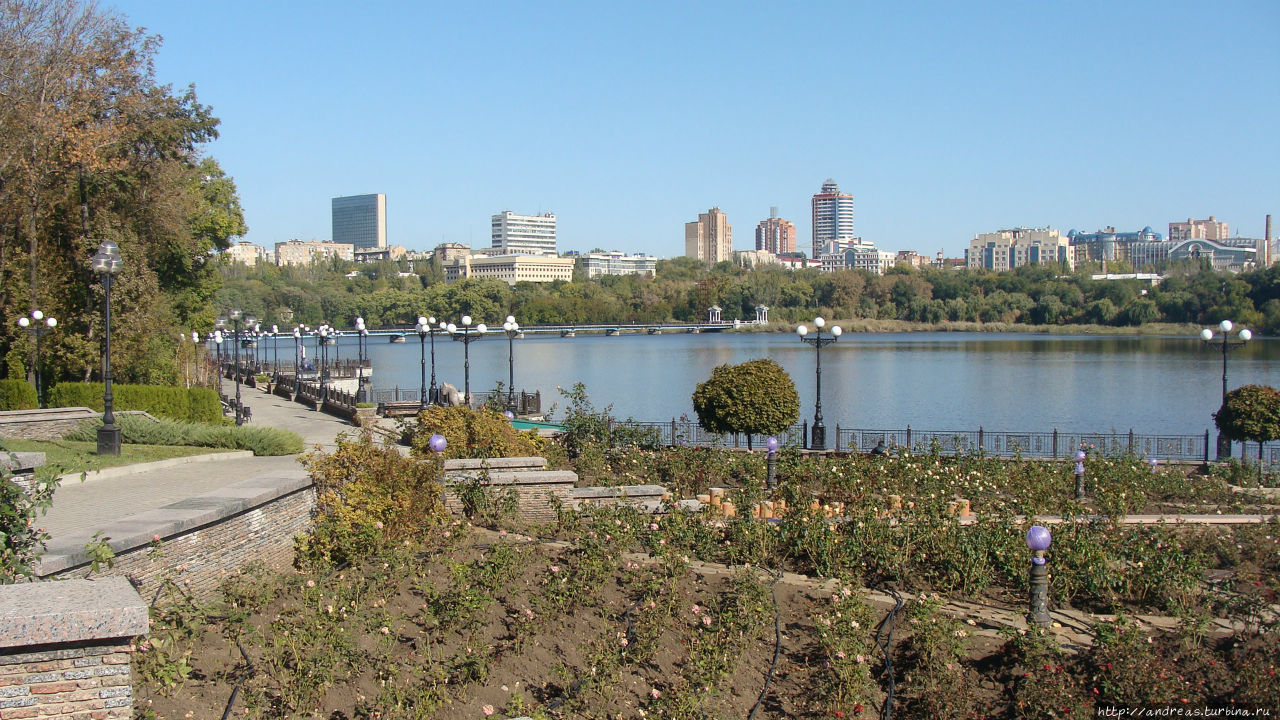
x=81, y=508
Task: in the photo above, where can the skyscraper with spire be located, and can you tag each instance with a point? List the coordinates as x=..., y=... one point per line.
x=832, y=216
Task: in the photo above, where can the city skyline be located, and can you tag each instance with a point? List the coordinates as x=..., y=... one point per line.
x=1072, y=120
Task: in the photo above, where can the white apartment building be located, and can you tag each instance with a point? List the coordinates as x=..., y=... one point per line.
x=510, y=269
x=247, y=253
x=298, y=252
x=1009, y=249
x=616, y=263
x=524, y=234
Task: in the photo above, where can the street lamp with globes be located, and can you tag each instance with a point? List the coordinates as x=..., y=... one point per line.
x=1227, y=344
x=107, y=263
x=38, y=326
x=818, y=438
x=468, y=333
x=512, y=329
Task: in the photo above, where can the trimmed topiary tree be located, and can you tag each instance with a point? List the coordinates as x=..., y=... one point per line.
x=755, y=397
x=1250, y=412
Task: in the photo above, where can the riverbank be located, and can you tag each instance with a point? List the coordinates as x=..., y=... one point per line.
x=875, y=325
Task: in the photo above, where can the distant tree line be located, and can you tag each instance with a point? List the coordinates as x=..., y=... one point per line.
x=683, y=290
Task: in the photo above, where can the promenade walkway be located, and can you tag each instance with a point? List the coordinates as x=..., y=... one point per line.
x=105, y=501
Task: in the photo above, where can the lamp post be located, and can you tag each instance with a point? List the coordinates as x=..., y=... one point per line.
x=38, y=326
x=771, y=447
x=1038, y=540
x=512, y=329
x=362, y=336
x=1227, y=345
x=322, y=349
x=257, y=347
x=107, y=263
x=424, y=329
x=1079, y=470
x=235, y=315
x=275, y=355
x=468, y=334
x=217, y=341
x=818, y=439
x=297, y=357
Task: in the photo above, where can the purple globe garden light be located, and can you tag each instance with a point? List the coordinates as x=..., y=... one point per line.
x=1153, y=462
x=509, y=415
x=1080, y=457
x=771, y=462
x=437, y=443
x=1039, y=539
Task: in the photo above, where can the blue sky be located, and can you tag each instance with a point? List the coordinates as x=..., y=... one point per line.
x=628, y=119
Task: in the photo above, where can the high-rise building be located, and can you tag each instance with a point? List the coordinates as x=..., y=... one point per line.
x=524, y=234
x=1210, y=229
x=710, y=239
x=360, y=220
x=775, y=234
x=832, y=216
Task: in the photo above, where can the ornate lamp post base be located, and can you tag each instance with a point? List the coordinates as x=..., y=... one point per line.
x=109, y=440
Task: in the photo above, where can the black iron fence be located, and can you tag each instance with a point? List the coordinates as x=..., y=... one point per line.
x=1051, y=444
x=526, y=403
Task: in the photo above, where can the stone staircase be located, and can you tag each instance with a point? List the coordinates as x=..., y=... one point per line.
x=538, y=490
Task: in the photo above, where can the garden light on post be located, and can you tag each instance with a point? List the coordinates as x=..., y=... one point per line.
x=818, y=438
x=38, y=326
x=107, y=263
x=323, y=351
x=1227, y=345
x=1079, y=470
x=771, y=446
x=275, y=355
x=1038, y=541
x=297, y=357
x=512, y=329
x=437, y=443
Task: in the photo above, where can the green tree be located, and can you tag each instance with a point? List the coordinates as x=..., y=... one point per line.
x=1250, y=412
x=755, y=397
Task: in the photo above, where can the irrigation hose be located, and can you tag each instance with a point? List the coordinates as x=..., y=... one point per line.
x=235, y=691
x=777, y=643
x=890, y=620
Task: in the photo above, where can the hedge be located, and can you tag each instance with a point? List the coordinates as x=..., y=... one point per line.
x=260, y=439
x=177, y=403
x=17, y=395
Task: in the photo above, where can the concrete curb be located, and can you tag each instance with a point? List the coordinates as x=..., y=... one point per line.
x=122, y=470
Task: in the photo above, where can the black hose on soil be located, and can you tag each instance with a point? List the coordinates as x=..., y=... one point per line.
x=777, y=644
x=886, y=710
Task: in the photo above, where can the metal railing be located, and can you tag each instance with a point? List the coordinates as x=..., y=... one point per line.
x=1031, y=444
x=527, y=403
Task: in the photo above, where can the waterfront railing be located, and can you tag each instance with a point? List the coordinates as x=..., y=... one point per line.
x=1049, y=445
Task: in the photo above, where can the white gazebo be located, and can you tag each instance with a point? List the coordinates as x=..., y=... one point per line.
x=713, y=315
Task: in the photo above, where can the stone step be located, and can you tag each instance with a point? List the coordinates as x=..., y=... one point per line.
x=508, y=463
x=515, y=477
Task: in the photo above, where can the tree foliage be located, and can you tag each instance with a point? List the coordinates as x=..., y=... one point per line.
x=93, y=148
x=754, y=397
x=1250, y=412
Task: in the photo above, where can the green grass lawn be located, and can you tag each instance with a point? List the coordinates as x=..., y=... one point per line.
x=72, y=456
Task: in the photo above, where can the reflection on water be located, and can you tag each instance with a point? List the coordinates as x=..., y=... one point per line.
x=927, y=380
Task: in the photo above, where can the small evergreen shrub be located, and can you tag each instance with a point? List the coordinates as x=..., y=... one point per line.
x=176, y=403
x=143, y=431
x=17, y=395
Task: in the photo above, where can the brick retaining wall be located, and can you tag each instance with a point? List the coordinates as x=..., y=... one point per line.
x=49, y=424
x=204, y=538
x=64, y=649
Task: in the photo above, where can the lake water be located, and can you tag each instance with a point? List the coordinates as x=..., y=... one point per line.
x=930, y=381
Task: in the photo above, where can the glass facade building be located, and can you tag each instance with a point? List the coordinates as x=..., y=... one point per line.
x=361, y=221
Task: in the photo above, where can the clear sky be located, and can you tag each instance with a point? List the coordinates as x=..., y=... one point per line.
x=627, y=119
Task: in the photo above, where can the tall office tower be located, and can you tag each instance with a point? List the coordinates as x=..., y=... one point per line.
x=524, y=234
x=775, y=234
x=360, y=220
x=710, y=239
x=832, y=216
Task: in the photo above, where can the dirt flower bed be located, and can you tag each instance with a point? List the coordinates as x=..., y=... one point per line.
x=396, y=610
